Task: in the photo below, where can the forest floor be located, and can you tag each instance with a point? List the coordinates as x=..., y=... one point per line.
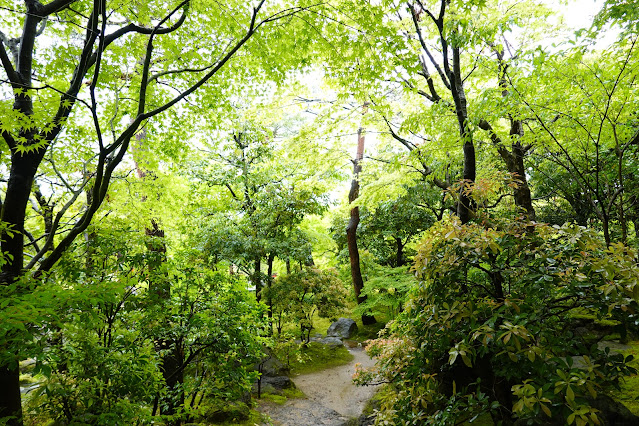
x=331, y=397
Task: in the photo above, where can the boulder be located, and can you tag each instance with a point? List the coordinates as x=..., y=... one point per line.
x=274, y=385
x=271, y=366
x=332, y=341
x=614, y=413
x=343, y=328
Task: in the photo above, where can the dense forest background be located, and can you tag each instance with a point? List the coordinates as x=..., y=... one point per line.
x=188, y=185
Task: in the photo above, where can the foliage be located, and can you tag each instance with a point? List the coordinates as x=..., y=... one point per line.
x=82, y=82
x=620, y=12
x=100, y=355
x=588, y=161
x=386, y=291
x=264, y=203
x=485, y=330
x=388, y=229
x=298, y=296
x=629, y=389
x=93, y=92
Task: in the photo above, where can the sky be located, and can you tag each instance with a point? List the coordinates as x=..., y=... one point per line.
x=579, y=13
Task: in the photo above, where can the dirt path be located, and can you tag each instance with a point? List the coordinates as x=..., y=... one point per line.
x=332, y=398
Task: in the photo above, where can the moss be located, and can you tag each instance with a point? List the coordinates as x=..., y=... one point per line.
x=366, y=332
x=584, y=314
x=28, y=379
x=613, y=336
x=294, y=393
x=254, y=418
x=629, y=393
x=285, y=396
x=320, y=357
x=320, y=325
x=278, y=399
x=222, y=412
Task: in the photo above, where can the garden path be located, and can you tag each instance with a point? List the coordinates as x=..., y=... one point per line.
x=331, y=397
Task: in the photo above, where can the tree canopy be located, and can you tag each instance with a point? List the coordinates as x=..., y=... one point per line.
x=174, y=183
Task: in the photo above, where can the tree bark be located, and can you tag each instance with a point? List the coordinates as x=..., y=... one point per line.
x=399, y=256
x=269, y=283
x=21, y=177
x=11, y=400
x=351, y=230
x=514, y=161
x=257, y=277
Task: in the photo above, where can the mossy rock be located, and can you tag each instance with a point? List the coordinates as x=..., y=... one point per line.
x=224, y=412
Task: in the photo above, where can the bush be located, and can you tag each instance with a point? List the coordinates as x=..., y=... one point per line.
x=485, y=329
x=298, y=296
x=103, y=349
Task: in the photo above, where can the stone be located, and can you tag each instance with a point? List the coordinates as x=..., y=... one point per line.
x=271, y=366
x=614, y=413
x=274, y=385
x=343, y=328
x=332, y=341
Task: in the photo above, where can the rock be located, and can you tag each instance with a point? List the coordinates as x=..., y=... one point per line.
x=332, y=341
x=305, y=412
x=614, y=413
x=343, y=328
x=271, y=366
x=232, y=412
x=350, y=344
x=317, y=337
x=274, y=385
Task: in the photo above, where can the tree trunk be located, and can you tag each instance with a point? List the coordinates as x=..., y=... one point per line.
x=10, y=402
x=351, y=230
x=521, y=192
x=21, y=177
x=172, y=367
x=466, y=206
x=399, y=256
x=257, y=277
x=269, y=282
x=353, y=254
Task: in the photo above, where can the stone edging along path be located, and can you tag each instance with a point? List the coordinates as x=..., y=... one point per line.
x=331, y=397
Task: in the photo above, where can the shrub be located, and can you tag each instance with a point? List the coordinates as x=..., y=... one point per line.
x=485, y=330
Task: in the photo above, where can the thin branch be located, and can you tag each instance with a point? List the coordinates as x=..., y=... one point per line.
x=422, y=42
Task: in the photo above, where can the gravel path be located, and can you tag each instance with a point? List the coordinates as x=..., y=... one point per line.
x=332, y=398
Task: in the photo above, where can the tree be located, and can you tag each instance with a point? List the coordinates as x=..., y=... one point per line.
x=446, y=74
x=123, y=351
x=588, y=134
x=267, y=200
x=353, y=223
x=143, y=61
x=306, y=292
x=386, y=229
x=394, y=224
